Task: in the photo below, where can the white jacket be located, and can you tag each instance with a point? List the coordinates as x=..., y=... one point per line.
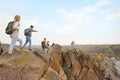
x=16, y=29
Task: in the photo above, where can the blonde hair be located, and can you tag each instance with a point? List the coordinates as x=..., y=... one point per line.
x=17, y=18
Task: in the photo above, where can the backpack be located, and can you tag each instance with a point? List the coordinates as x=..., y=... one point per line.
x=9, y=30
x=25, y=32
x=44, y=43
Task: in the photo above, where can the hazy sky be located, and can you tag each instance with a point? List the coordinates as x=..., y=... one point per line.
x=61, y=21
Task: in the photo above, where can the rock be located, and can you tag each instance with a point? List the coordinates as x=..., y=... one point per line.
x=58, y=64
x=109, y=70
x=25, y=66
x=66, y=60
x=54, y=69
x=56, y=61
x=117, y=66
x=75, y=64
x=82, y=66
x=51, y=75
x=113, y=59
x=57, y=49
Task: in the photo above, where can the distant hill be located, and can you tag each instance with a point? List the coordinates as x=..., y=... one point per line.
x=105, y=49
x=33, y=46
x=5, y=45
x=113, y=50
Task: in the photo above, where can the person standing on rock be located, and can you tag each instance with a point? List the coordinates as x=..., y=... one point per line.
x=73, y=44
x=45, y=45
x=28, y=34
x=15, y=34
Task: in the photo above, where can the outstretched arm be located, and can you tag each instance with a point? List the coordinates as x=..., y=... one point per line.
x=34, y=31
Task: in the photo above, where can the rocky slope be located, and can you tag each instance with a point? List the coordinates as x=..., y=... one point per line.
x=58, y=64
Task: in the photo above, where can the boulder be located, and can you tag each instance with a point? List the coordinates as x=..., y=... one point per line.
x=24, y=66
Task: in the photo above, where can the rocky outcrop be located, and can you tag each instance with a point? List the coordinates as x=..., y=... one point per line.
x=79, y=66
x=27, y=65
x=21, y=66
x=58, y=64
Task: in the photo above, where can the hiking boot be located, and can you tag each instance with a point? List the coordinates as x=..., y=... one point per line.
x=21, y=48
x=10, y=53
x=30, y=49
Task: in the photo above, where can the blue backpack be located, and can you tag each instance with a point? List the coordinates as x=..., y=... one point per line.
x=27, y=32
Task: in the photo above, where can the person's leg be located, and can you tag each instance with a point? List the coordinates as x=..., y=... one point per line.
x=25, y=42
x=20, y=41
x=29, y=40
x=42, y=47
x=13, y=41
x=47, y=49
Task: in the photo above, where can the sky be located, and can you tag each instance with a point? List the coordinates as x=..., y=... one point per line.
x=62, y=21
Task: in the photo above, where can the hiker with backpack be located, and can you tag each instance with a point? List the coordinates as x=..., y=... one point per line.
x=45, y=45
x=13, y=30
x=28, y=34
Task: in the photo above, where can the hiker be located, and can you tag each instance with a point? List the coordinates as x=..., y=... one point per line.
x=45, y=45
x=13, y=30
x=73, y=44
x=28, y=34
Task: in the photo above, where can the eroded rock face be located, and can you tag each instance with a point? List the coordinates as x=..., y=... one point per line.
x=80, y=67
x=56, y=61
x=109, y=70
